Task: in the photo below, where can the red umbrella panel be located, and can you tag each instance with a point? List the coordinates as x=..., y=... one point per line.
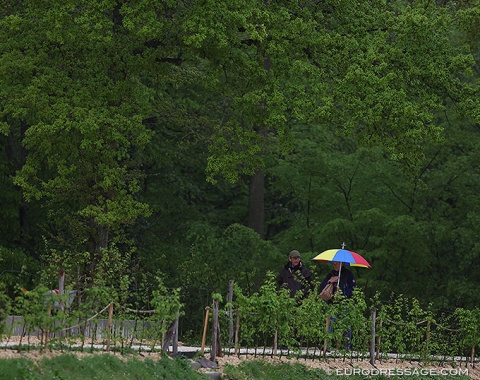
x=344, y=256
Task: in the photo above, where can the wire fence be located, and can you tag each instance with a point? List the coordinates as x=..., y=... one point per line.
x=267, y=323
x=103, y=330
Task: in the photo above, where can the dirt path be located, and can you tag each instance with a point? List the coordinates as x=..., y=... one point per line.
x=336, y=366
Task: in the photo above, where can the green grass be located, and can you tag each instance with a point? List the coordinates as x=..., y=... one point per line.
x=105, y=367
x=259, y=370
x=70, y=367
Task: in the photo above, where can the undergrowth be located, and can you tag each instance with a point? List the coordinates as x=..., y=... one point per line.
x=72, y=367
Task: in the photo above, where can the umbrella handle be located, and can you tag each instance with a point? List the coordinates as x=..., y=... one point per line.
x=339, y=274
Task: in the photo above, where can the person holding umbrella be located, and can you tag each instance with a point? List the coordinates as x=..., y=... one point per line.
x=344, y=279
x=341, y=278
x=340, y=259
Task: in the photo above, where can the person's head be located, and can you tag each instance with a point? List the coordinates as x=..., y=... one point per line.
x=337, y=265
x=294, y=257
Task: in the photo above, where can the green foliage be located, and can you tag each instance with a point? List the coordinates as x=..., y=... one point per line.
x=265, y=313
x=166, y=304
x=114, y=115
x=236, y=253
x=5, y=308
x=42, y=312
x=17, y=269
x=407, y=328
x=35, y=306
x=271, y=312
x=310, y=319
x=469, y=321
x=350, y=314
x=404, y=327
x=83, y=123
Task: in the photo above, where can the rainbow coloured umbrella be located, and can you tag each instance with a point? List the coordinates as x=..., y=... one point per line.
x=342, y=255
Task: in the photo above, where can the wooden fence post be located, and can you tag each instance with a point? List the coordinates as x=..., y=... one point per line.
x=275, y=342
x=230, y=311
x=327, y=323
x=109, y=325
x=379, y=340
x=61, y=287
x=47, y=330
x=427, y=335
x=237, y=329
x=216, y=345
x=171, y=336
x=175, y=336
x=205, y=326
x=213, y=353
x=61, y=291
x=372, y=338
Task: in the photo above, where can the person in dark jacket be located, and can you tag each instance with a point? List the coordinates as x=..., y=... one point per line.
x=347, y=280
x=346, y=284
x=295, y=276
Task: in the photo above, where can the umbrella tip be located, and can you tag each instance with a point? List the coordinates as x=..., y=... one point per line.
x=343, y=245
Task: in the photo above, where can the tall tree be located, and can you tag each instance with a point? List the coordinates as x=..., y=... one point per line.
x=70, y=75
x=375, y=70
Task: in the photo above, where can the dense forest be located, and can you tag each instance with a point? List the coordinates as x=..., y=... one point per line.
x=200, y=141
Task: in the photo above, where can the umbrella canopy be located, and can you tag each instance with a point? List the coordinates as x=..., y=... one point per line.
x=342, y=255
